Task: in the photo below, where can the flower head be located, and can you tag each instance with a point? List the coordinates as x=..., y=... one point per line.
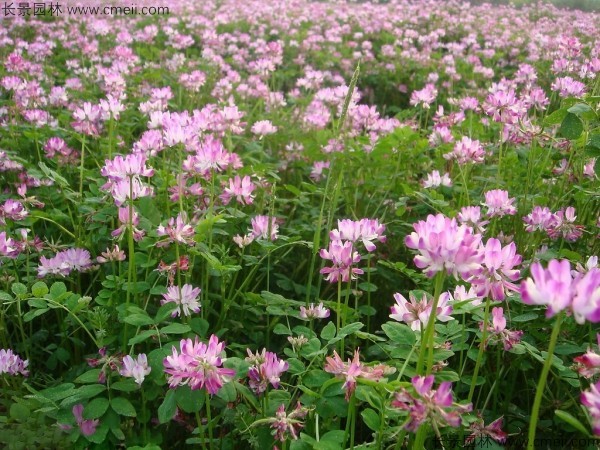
x=136, y=369
x=314, y=312
x=416, y=313
x=266, y=368
x=342, y=256
x=198, y=365
x=185, y=297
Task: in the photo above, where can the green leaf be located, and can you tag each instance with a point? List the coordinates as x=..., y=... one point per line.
x=138, y=320
x=144, y=335
x=39, y=289
x=580, y=108
x=568, y=418
x=123, y=407
x=371, y=419
x=328, y=331
x=58, y=289
x=175, y=328
x=165, y=311
x=188, y=400
x=350, y=329
x=91, y=376
x=571, y=127
x=167, y=409
x=128, y=385
x=399, y=333
x=556, y=117
x=367, y=287
x=19, y=412
x=527, y=317
x=29, y=316
x=136, y=287
x=19, y=289
x=96, y=408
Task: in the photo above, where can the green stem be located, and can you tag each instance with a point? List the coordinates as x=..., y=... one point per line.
x=481, y=349
x=208, y=417
x=339, y=314
x=539, y=393
x=427, y=340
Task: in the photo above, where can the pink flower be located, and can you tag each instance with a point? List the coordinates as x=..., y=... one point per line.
x=86, y=426
x=287, y=424
x=266, y=368
x=114, y=254
x=136, y=369
x=314, y=312
x=498, y=274
x=342, y=256
x=466, y=151
x=264, y=228
x=364, y=230
x=553, y=287
x=12, y=363
x=568, y=87
x=540, y=218
x=499, y=333
x=126, y=221
x=263, y=127
x=588, y=364
x=480, y=431
x=8, y=246
x=591, y=400
x=177, y=230
x=317, y=169
x=351, y=370
x=444, y=245
x=185, y=297
x=416, y=313
x=425, y=97
x=64, y=262
x=198, y=365
x=13, y=210
x=563, y=225
x=498, y=204
x=434, y=179
x=471, y=216
x=241, y=189
x=586, y=302
x=428, y=404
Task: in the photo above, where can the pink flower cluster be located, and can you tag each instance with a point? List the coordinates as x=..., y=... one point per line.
x=266, y=368
x=12, y=363
x=559, y=289
x=556, y=225
x=64, y=262
x=352, y=370
x=416, y=313
x=198, y=365
x=186, y=299
x=499, y=333
x=435, y=405
x=135, y=368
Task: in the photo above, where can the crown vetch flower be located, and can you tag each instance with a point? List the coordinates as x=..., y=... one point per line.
x=241, y=189
x=591, y=400
x=352, y=370
x=185, y=297
x=588, y=364
x=264, y=228
x=558, y=289
x=198, y=365
x=436, y=405
x=12, y=363
x=266, y=368
x=364, y=230
x=136, y=369
x=498, y=274
x=314, y=312
x=498, y=331
x=493, y=430
x=343, y=256
x=86, y=426
x=445, y=245
x=416, y=313
x=285, y=425
x=177, y=230
x=498, y=204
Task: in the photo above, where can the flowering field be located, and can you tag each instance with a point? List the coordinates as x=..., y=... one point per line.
x=293, y=225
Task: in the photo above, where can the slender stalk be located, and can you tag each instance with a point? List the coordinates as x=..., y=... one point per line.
x=427, y=339
x=481, y=349
x=208, y=417
x=539, y=393
x=339, y=314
